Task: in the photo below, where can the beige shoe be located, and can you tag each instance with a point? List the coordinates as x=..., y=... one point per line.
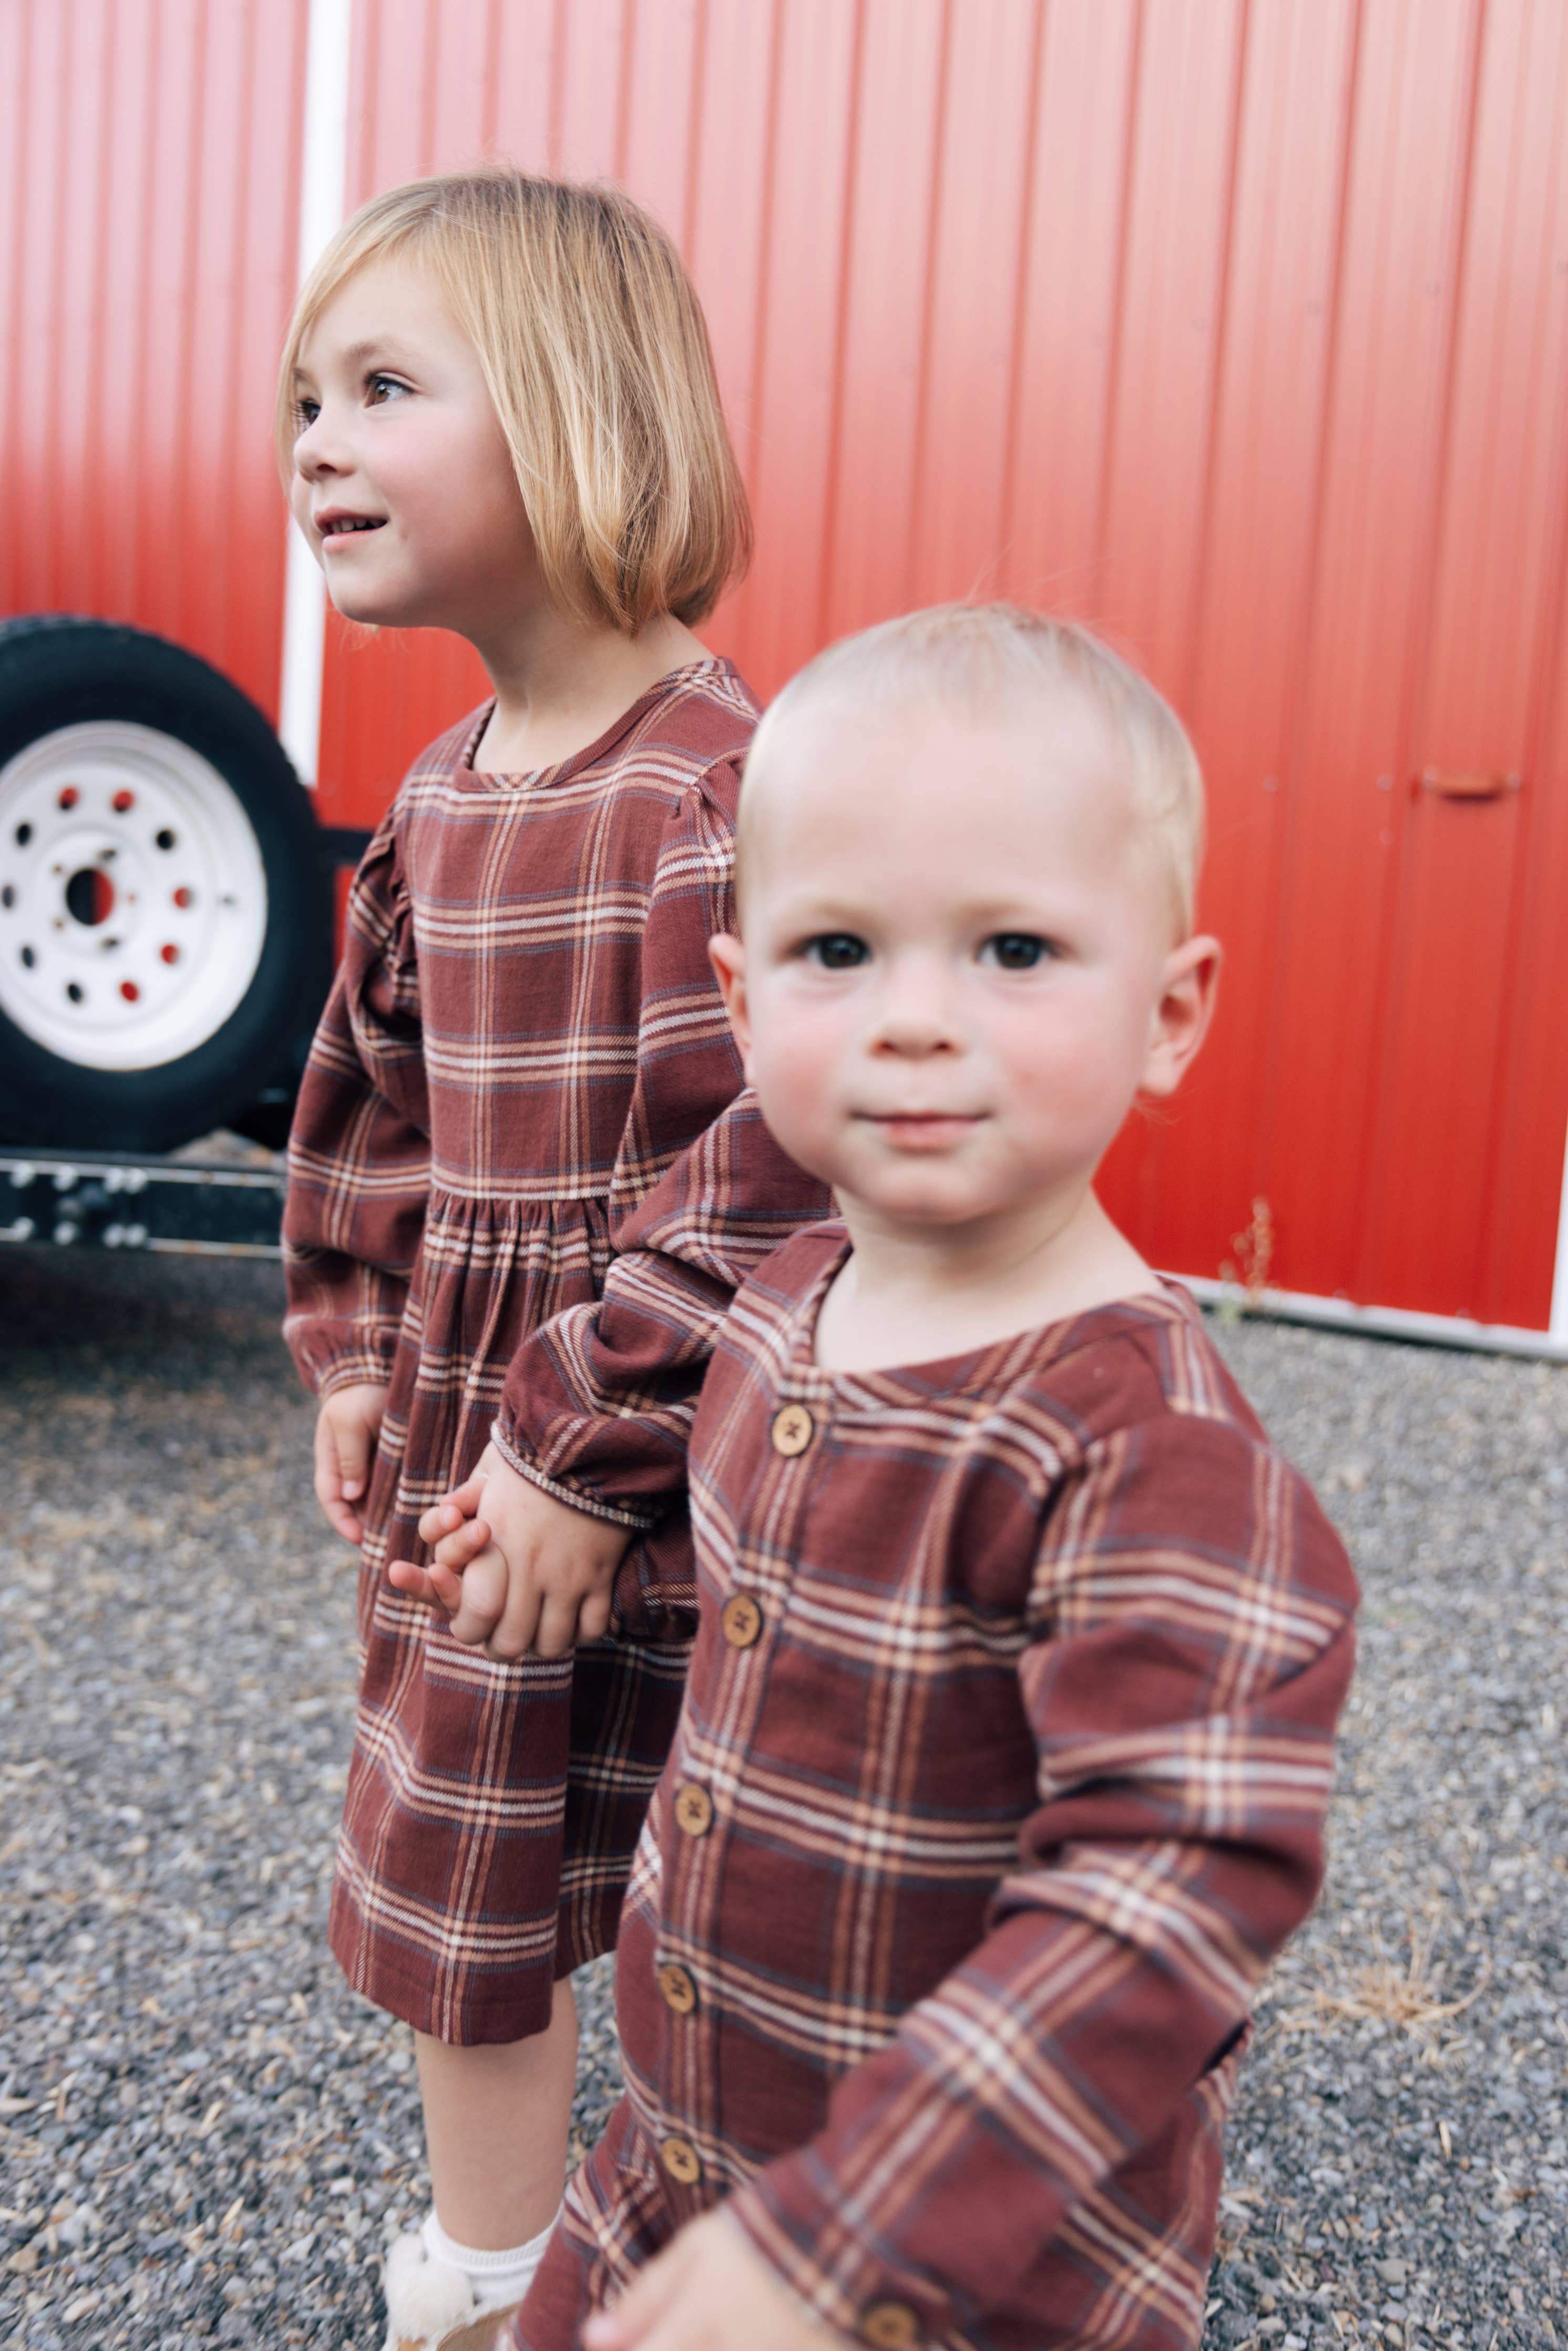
x=432, y=2307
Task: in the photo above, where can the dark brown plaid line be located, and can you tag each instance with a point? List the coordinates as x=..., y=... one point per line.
x=1000, y=1780
x=523, y=1038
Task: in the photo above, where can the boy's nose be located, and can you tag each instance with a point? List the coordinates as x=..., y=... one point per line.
x=917, y=1018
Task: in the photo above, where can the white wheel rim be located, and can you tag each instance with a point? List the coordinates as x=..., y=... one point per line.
x=132, y=896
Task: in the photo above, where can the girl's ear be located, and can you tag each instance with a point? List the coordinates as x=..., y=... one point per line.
x=727, y=957
x=1182, y=1014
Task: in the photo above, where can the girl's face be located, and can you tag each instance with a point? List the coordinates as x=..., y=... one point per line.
x=403, y=485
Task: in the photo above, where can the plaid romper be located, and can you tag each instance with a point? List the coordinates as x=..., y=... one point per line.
x=1000, y=1780
x=524, y=1037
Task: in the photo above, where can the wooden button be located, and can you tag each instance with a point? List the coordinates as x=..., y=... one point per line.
x=693, y=1810
x=791, y=1430
x=680, y=1992
x=679, y=2157
x=890, y=2325
x=741, y=1620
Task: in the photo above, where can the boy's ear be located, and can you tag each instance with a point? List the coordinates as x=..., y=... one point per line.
x=727, y=957
x=1182, y=1014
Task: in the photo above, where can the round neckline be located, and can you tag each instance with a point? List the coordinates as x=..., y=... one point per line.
x=974, y=1368
x=514, y=778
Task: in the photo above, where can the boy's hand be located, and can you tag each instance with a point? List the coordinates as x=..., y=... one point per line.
x=347, y=1428
x=707, y=2291
x=514, y=1568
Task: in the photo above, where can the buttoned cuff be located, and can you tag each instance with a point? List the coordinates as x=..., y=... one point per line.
x=573, y=1497
x=827, y=2255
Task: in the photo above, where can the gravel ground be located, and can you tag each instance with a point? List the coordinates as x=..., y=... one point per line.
x=205, y=2138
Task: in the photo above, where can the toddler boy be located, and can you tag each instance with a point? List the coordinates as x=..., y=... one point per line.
x=1002, y=1767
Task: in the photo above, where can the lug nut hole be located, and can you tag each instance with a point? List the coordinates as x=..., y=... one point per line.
x=165, y=838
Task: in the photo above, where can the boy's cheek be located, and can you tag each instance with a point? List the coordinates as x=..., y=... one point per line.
x=793, y=1070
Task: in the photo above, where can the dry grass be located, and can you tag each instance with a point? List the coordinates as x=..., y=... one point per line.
x=1409, y=1995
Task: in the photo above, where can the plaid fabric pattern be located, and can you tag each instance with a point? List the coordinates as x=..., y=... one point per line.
x=1000, y=1778
x=524, y=1037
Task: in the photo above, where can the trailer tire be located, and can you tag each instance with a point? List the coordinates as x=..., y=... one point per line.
x=165, y=907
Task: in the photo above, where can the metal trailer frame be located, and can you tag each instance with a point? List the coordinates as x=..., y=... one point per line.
x=115, y=1200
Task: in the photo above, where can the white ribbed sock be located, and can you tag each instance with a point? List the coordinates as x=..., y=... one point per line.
x=497, y=2279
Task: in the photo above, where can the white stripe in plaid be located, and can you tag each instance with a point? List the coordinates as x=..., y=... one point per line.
x=1014, y=1798
x=525, y=1036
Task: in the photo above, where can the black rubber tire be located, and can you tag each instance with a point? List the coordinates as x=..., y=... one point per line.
x=56, y=670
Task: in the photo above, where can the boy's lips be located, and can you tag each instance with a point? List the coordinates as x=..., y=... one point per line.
x=924, y=1130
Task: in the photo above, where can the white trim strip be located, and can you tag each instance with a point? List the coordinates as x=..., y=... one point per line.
x=1560, y=1272
x=323, y=167
x=1384, y=1322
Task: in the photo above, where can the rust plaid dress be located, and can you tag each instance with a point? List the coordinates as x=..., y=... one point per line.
x=524, y=1036
x=1000, y=1779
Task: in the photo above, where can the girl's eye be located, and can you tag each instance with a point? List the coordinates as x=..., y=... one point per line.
x=306, y=411
x=382, y=388
x=837, y=950
x=1016, y=950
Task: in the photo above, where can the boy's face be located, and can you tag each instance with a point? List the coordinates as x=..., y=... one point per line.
x=404, y=485
x=957, y=967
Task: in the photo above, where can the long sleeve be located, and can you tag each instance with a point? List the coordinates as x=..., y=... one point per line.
x=359, y=1156
x=1190, y=1647
x=598, y=1404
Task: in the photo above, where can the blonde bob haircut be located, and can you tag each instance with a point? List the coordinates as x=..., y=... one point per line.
x=596, y=354
x=987, y=655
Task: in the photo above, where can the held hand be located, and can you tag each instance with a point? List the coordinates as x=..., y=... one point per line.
x=347, y=1428
x=524, y=1572
x=708, y=2290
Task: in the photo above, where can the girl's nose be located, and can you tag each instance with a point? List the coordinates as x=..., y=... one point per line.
x=316, y=452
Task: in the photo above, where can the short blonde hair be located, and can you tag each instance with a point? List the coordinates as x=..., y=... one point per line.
x=596, y=354
x=979, y=652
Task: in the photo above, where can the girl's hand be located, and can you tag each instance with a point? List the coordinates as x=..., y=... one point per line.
x=707, y=2291
x=515, y=1569
x=347, y=1428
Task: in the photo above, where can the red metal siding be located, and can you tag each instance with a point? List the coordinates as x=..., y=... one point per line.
x=149, y=169
x=1238, y=327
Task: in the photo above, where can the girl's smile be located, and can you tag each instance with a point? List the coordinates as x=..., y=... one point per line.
x=404, y=484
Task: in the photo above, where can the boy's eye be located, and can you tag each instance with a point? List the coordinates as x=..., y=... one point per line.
x=1016, y=950
x=837, y=950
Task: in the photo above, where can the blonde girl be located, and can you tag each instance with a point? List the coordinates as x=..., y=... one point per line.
x=498, y=416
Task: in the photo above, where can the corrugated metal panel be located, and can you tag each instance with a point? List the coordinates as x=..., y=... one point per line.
x=148, y=164
x=1237, y=329
x=1236, y=326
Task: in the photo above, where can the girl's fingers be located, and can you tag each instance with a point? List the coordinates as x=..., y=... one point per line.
x=405, y=1576
x=481, y=1593
x=593, y=1618
x=445, y=1589
x=471, y=1537
x=557, y=1626
x=343, y=1522
x=441, y=1518
x=518, y=1623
